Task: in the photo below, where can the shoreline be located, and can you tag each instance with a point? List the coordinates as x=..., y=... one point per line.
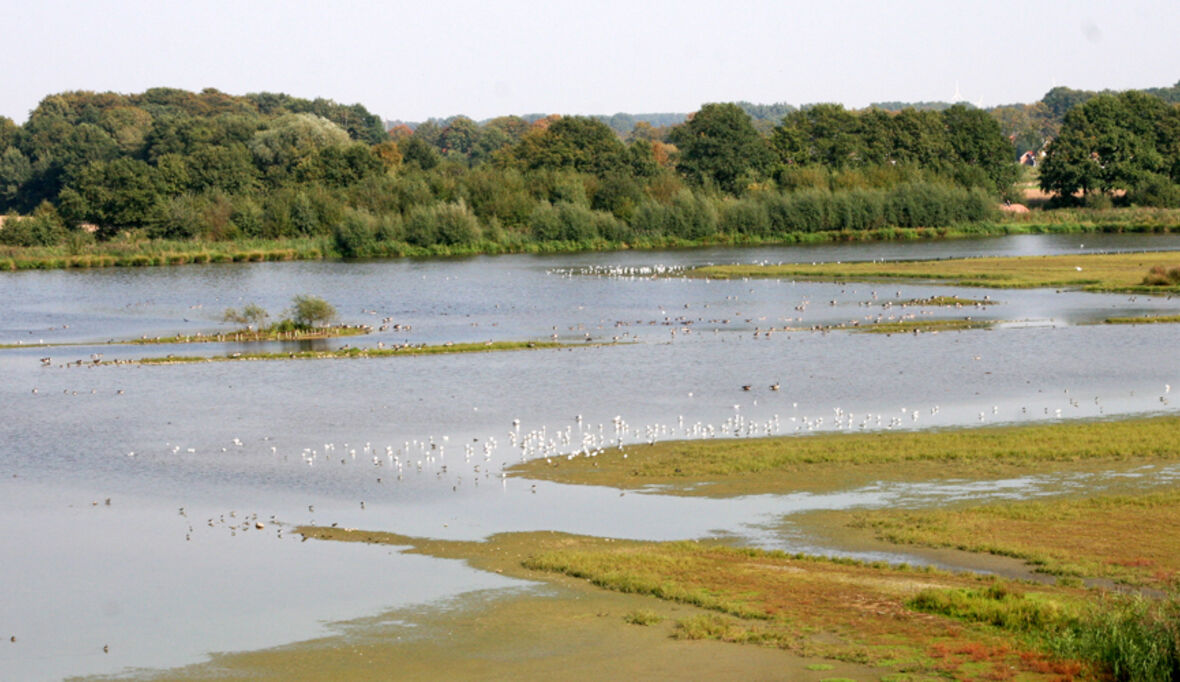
x=159, y=253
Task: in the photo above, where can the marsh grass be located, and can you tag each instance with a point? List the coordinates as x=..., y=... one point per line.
x=1133, y=638
x=1113, y=537
x=1129, y=637
x=643, y=617
x=796, y=459
x=1146, y=319
x=948, y=302
x=346, y=353
x=924, y=326
x=279, y=331
x=838, y=609
x=1159, y=276
x=1090, y=272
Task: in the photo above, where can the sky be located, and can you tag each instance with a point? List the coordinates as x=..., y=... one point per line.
x=413, y=61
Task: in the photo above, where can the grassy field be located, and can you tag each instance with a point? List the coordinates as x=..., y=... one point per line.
x=1091, y=272
x=380, y=352
x=1130, y=539
x=786, y=463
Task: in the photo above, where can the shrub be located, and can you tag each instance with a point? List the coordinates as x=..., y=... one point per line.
x=1155, y=190
x=251, y=315
x=310, y=311
x=1159, y=276
x=745, y=217
x=456, y=224
x=544, y=222
x=355, y=236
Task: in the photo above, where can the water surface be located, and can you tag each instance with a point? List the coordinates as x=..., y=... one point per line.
x=193, y=456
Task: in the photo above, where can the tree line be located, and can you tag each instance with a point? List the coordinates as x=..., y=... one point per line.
x=172, y=164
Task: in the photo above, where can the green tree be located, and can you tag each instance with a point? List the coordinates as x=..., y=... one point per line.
x=824, y=134
x=977, y=143
x=293, y=138
x=418, y=152
x=311, y=311
x=585, y=145
x=114, y=195
x=1109, y=142
x=15, y=170
x=719, y=146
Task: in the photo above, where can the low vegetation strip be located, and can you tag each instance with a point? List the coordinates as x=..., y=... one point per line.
x=273, y=333
x=1115, y=537
x=756, y=460
x=1092, y=272
x=138, y=252
x=1146, y=319
x=924, y=326
x=948, y=302
x=380, y=352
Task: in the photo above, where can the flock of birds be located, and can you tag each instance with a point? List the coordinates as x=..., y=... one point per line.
x=456, y=462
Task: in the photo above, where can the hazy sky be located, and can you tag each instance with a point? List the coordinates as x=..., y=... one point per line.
x=421, y=59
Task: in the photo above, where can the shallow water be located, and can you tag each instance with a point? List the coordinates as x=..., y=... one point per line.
x=191, y=456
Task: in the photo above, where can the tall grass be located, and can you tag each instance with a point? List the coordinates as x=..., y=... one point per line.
x=1127, y=637
x=1133, y=638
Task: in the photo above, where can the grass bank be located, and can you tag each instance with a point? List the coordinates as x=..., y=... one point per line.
x=924, y=326
x=379, y=352
x=1115, y=537
x=1146, y=319
x=137, y=251
x=272, y=333
x=786, y=463
x=1090, y=272
x=947, y=302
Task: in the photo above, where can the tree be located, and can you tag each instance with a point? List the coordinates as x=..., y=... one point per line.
x=311, y=311
x=415, y=150
x=251, y=315
x=1110, y=142
x=293, y=138
x=720, y=146
x=585, y=145
x=15, y=170
x=824, y=134
x=460, y=136
x=114, y=195
x=977, y=142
